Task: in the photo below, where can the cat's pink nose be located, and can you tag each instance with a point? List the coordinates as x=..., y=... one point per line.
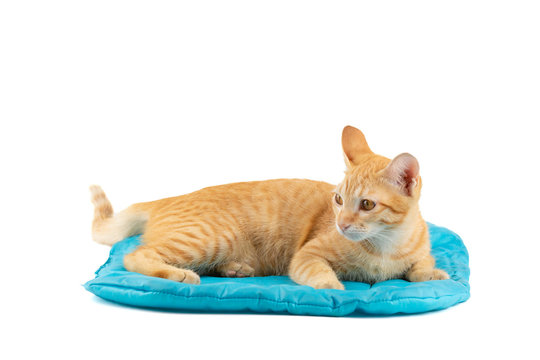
x=344, y=227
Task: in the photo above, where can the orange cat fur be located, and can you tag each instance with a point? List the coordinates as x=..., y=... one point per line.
x=368, y=228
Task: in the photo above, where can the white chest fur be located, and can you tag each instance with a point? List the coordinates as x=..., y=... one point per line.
x=374, y=268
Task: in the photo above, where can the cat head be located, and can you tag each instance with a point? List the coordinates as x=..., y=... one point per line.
x=377, y=194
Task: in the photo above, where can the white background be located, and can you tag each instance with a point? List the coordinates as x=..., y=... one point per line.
x=155, y=99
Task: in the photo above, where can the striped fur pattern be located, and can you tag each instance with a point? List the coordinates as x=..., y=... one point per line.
x=316, y=233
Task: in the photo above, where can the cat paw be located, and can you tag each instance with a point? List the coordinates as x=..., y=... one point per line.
x=427, y=275
x=236, y=269
x=328, y=284
x=181, y=275
x=191, y=278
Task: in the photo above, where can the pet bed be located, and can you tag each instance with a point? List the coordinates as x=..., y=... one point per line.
x=279, y=294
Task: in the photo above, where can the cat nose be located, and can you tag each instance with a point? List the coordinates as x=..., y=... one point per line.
x=344, y=227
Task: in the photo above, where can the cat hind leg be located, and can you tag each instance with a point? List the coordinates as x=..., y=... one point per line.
x=148, y=261
x=236, y=269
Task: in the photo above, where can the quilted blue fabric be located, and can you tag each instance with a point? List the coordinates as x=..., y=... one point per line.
x=279, y=294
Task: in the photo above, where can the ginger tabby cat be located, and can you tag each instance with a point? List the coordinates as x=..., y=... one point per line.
x=368, y=228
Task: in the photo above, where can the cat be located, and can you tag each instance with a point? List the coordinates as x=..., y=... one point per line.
x=368, y=228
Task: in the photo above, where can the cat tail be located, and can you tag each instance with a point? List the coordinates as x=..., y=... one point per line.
x=109, y=228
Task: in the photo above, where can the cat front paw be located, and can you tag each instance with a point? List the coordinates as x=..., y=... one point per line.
x=427, y=275
x=328, y=284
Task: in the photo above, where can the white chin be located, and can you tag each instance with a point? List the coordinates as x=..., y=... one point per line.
x=356, y=237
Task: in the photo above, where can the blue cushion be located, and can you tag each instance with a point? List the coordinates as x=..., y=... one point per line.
x=279, y=294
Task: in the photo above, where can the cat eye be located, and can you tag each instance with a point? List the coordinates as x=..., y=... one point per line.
x=367, y=204
x=338, y=199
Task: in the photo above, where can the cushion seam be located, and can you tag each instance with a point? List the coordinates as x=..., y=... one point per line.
x=272, y=300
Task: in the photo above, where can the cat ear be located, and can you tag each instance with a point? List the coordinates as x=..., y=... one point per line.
x=354, y=145
x=402, y=172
